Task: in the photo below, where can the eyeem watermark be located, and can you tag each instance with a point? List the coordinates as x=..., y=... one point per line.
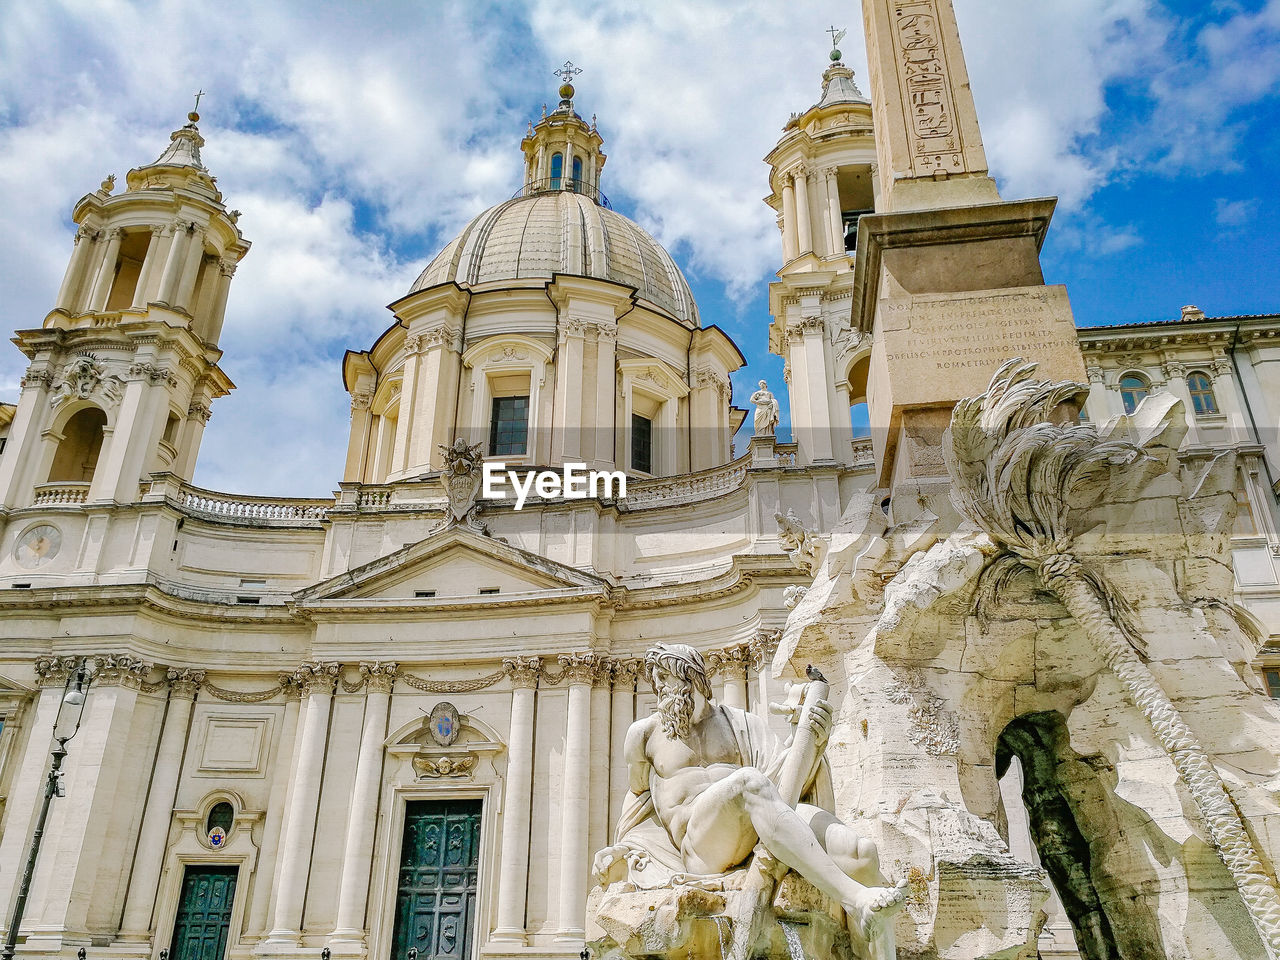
x=575, y=483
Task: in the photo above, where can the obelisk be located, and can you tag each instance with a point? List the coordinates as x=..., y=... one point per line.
x=947, y=277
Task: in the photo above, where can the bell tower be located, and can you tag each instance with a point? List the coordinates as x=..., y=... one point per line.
x=125, y=366
x=823, y=180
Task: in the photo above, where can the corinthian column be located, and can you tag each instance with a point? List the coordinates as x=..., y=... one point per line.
x=357, y=857
x=106, y=272
x=731, y=666
x=148, y=858
x=598, y=814
x=317, y=680
x=789, y=245
x=71, y=280
x=580, y=671
x=624, y=714
x=804, y=229
x=513, y=868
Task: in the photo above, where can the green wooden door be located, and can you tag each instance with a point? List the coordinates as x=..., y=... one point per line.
x=439, y=862
x=204, y=913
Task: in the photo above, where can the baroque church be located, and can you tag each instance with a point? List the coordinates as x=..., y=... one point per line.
x=391, y=723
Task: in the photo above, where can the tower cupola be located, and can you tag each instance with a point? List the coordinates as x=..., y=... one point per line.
x=562, y=151
x=124, y=368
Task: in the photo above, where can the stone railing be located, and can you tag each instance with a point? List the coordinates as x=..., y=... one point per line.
x=233, y=508
x=703, y=485
x=61, y=493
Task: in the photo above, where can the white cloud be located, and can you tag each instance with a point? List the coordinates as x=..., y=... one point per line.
x=1233, y=213
x=357, y=138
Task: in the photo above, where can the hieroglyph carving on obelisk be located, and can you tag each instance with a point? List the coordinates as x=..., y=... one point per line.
x=926, y=125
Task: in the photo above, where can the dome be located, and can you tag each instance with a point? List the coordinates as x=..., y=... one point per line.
x=534, y=237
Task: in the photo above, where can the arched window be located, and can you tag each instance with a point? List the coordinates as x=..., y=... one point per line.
x=576, y=186
x=557, y=170
x=1133, y=389
x=77, y=454
x=861, y=419
x=1203, y=401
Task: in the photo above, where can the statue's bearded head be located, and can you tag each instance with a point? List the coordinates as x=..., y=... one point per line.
x=676, y=671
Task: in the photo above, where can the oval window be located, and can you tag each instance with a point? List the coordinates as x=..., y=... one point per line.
x=221, y=816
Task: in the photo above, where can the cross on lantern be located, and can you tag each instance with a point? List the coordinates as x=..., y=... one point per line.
x=567, y=72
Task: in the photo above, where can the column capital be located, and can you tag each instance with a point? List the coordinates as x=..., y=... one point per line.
x=120, y=670
x=1221, y=365
x=184, y=682
x=800, y=171
x=523, y=671
x=290, y=686
x=624, y=673
x=379, y=676
x=54, y=671
x=41, y=378
x=199, y=411
x=731, y=663
x=1094, y=373
x=1174, y=369
x=579, y=667
x=762, y=649
x=317, y=677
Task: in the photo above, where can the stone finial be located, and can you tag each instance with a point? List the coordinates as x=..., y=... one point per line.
x=379, y=676
x=1192, y=312
x=184, y=682
x=108, y=184
x=523, y=671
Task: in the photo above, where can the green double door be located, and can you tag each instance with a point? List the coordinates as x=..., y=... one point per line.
x=204, y=913
x=439, y=865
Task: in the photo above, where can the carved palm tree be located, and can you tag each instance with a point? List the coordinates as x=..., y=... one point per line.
x=1023, y=471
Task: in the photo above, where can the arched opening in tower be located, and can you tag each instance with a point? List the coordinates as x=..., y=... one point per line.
x=77, y=454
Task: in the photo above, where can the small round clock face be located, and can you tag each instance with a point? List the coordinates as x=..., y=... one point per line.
x=38, y=545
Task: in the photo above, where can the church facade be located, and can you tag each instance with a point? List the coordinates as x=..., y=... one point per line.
x=393, y=720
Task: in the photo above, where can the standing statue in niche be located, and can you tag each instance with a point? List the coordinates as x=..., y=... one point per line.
x=709, y=784
x=766, y=418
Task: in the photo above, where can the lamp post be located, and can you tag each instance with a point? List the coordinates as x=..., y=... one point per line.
x=65, y=727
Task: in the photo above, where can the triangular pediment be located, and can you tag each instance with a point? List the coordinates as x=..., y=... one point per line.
x=454, y=564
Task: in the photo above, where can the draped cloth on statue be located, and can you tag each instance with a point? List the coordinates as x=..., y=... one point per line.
x=653, y=860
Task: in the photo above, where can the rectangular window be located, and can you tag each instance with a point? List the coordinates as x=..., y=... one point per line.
x=488, y=591
x=1246, y=525
x=641, y=443
x=1273, y=683
x=509, y=426
x=424, y=594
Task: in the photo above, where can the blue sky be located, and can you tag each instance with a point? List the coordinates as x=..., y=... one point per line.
x=358, y=138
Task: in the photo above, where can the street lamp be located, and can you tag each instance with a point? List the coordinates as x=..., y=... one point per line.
x=70, y=710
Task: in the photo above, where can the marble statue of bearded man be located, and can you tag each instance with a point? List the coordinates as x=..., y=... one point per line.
x=703, y=793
